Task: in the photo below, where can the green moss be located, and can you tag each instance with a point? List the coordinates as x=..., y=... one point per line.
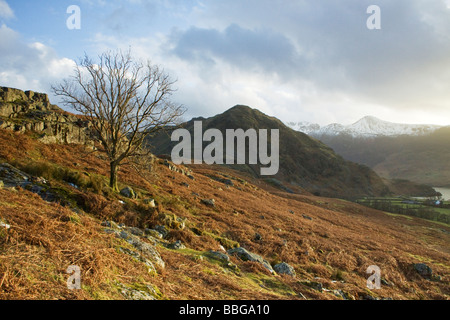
x=268, y=283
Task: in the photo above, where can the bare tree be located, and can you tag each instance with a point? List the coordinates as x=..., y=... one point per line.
x=125, y=101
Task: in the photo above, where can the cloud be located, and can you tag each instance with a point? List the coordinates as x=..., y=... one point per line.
x=29, y=66
x=247, y=49
x=324, y=49
x=5, y=10
x=297, y=60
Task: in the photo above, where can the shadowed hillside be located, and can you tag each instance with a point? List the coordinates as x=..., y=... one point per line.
x=304, y=161
x=422, y=159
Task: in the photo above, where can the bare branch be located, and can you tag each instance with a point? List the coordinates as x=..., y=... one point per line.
x=125, y=100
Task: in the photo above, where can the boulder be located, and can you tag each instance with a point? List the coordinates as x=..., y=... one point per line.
x=424, y=270
x=313, y=284
x=145, y=249
x=162, y=230
x=218, y=255
x=128, y=192
x=284, y=268
x=176, y=245
x=257, y=237
x=245, y=255
x=209, y=202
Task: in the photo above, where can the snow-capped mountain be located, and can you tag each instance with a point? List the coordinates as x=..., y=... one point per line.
x=366, y=127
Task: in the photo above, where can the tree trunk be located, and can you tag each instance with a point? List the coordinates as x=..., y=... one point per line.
x=114, y=168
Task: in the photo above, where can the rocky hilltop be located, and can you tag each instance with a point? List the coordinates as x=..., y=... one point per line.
x=23, y=111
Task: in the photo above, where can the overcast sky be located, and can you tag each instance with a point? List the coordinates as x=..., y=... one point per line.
x=298, y=60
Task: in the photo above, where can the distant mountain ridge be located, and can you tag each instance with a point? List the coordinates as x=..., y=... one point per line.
x=418, y=153
x=367, y=127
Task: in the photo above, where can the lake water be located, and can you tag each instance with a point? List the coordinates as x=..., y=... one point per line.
x=445, y=192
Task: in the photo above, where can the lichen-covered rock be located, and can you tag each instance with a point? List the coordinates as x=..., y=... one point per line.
x=147, y=250
x=284, y=268
x=31, y=111
x=245, y=255
x=218, y=255
x=147, y=292
x=209, y=202
x=424, y=270
x=177, y=245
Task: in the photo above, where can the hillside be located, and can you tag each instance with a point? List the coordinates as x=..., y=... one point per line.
x=304, y=161
x=194, y=232
x=422, y=159
x=329, y=243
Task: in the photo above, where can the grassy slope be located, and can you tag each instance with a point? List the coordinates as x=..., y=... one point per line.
x=339, y=243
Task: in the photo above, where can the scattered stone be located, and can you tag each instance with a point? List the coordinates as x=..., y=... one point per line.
x=218, y=255
x=344, y=295
x=209, y=202
x=110, y=224
x=314, y=285
x=245, y=255
x=137, y=256
x=284, y=268
x=12, y=176
x=146, y=250
x=424, y=270
x=128, y=192
x=292, y=212
x=258, y=237
x=184, y=184
x=436, y=278
x=134, y=294
x=110, y=231
x=152, y=233
x=174, y=168
x=136, y=231
x=176, y=245
x=150, y=202
x=4, y=225
x=162, y=230
x=307, y=217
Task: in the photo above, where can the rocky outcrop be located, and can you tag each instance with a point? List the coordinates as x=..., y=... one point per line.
x=245, y=255
x=23, y=111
